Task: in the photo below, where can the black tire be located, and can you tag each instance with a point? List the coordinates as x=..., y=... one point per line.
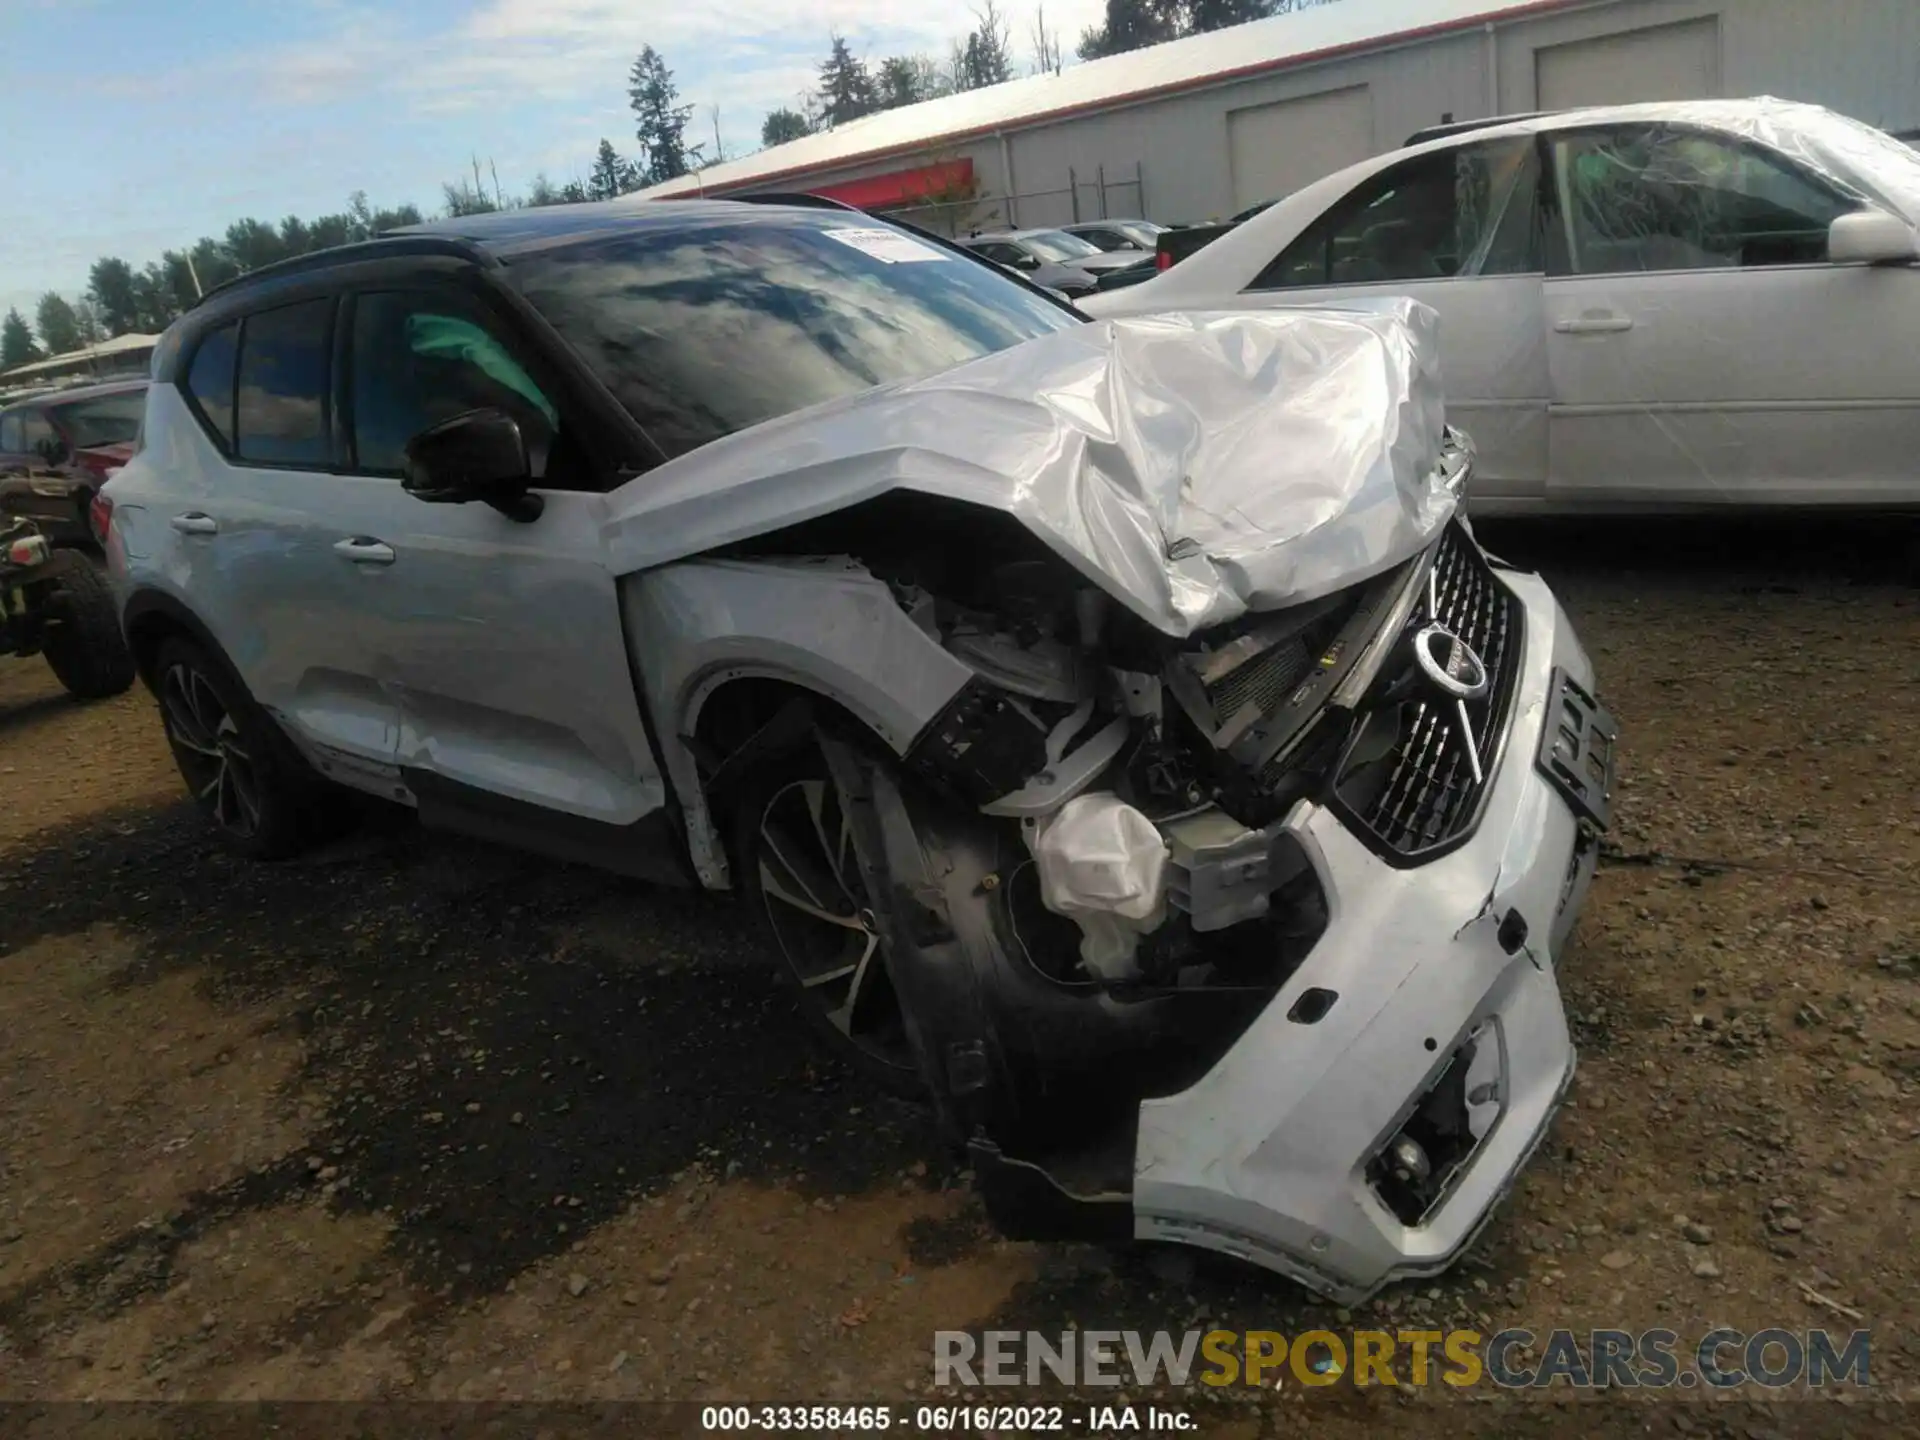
x=817, y=916
x=264, y=800
x=83, y=644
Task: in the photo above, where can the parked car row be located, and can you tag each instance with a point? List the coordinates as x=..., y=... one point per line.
x=57, y=449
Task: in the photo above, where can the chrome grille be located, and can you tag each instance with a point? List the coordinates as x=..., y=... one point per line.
x=1430, y=800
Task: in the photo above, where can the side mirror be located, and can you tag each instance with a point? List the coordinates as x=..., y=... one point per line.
x=479, y=455
x=1870, y=237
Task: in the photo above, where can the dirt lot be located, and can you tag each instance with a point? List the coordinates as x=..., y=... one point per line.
x=414, y=1118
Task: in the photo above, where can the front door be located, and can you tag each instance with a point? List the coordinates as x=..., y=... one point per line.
x=1458, y=229
x=1702, y=349
x=499, y=641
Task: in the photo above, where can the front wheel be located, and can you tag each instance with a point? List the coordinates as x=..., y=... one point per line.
x=794, y=843
x=83, y=644
x=241, y=771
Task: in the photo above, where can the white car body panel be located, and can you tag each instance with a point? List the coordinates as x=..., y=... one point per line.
x=1773, y=385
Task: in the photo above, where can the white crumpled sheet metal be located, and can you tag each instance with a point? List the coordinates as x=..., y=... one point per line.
x=1196, y=466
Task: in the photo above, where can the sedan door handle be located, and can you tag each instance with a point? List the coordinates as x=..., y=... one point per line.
x=364, y=550
x=195, y=523
x=1594, y=325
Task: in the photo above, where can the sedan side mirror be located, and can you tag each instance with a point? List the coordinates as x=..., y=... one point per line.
x=478, y=455
x=1870, y=237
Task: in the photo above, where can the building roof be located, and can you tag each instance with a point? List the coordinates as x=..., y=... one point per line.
x=67, y=395
x=105, y=350
x=1240, y=51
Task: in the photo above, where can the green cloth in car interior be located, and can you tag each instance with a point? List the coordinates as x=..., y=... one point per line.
x=452, y=339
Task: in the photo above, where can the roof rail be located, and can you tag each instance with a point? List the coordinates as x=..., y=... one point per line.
x=1464, y=127
x=374, y=249
x=792, y=197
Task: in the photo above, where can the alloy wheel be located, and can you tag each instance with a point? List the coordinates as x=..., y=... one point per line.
x=828, y=937
x=206, y=742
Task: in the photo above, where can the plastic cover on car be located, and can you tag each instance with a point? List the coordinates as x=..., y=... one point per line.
x=1196, y=466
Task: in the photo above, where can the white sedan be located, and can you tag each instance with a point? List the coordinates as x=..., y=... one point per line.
x=1643, y=308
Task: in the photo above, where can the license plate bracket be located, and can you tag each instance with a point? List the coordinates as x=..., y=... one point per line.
x=1579, y=745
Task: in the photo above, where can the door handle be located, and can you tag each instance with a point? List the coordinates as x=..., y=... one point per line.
x=1594, y=325
x=195, y=523
x=364, y=550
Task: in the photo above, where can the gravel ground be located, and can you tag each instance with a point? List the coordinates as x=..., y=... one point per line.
x=418, y=1118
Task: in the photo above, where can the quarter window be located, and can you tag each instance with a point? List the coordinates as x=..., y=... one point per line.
x=1651, y=198
x=1470, y=210
x=210, y=380
x=421, y=357
x=282, y=399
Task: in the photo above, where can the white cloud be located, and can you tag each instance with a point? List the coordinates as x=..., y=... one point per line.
x=748, y=56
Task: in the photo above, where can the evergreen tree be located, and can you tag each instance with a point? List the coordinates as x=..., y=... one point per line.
x=987, y=56
x=59, y=327
x=783, y=125
x=16, y=342
x=612, y=174
x=110, y=286
x=847, y=91
x=660, y=123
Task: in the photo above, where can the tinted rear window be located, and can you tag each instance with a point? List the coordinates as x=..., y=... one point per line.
x=210, y=380
x=705, y=329
x=107, y=420
x=283, y=384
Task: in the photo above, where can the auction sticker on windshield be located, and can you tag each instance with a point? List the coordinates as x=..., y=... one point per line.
x=887, y=245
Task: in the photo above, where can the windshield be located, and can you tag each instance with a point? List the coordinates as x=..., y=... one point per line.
x=1888, y=170
x=707, y=327
x=107, y=420
x=1057, y=245
x=1142, y=232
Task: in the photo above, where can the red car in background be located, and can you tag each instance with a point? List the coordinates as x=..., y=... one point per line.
x=57, y=450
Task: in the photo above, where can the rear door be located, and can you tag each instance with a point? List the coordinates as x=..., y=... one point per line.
x=1459, y=229
x=251, y=533
x=1702, y=349
x=497, y=644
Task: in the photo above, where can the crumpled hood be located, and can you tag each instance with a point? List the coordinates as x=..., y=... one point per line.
x=1195, y=466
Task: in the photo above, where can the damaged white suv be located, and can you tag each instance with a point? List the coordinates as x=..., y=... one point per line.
x=1124, y=742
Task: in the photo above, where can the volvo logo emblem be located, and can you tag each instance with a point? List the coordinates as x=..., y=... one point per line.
x=1454, y=669
x=1450, y=663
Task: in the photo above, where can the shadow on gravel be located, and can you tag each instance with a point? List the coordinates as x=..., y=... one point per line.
x=514, y=1050
x=24, y=714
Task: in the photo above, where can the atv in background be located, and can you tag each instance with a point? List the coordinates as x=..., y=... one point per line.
x=57, y=603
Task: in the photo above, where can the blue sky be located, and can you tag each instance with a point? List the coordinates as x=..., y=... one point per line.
x=135, y=126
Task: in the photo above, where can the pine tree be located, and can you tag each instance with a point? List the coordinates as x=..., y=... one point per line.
x=59, y=327
x=110, y=286
x=660, y=123
x=783, y=125
x=1133, y=25
x=846, y=89
x=987, y=56
x=16, y=342
x=612, y=174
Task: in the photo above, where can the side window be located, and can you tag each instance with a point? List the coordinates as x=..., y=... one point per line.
x=41, y=438
x=12, y=435
x=1470, y=210
x=281, y=402
x=1651, y=198
x=210, y=379
x=1007, y=255
x=421, y=357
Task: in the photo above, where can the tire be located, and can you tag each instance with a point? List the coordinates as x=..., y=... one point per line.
x=83, y=645
x=264, y=800
x=793, y=854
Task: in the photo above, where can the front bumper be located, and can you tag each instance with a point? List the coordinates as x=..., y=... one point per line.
x=1267, y=1157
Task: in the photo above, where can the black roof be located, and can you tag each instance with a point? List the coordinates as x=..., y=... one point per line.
x=487, y=239
x=507, y=232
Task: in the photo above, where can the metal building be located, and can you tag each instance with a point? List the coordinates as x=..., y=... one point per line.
x=1203, y=127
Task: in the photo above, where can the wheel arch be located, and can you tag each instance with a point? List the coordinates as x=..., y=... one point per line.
x=152, y=617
